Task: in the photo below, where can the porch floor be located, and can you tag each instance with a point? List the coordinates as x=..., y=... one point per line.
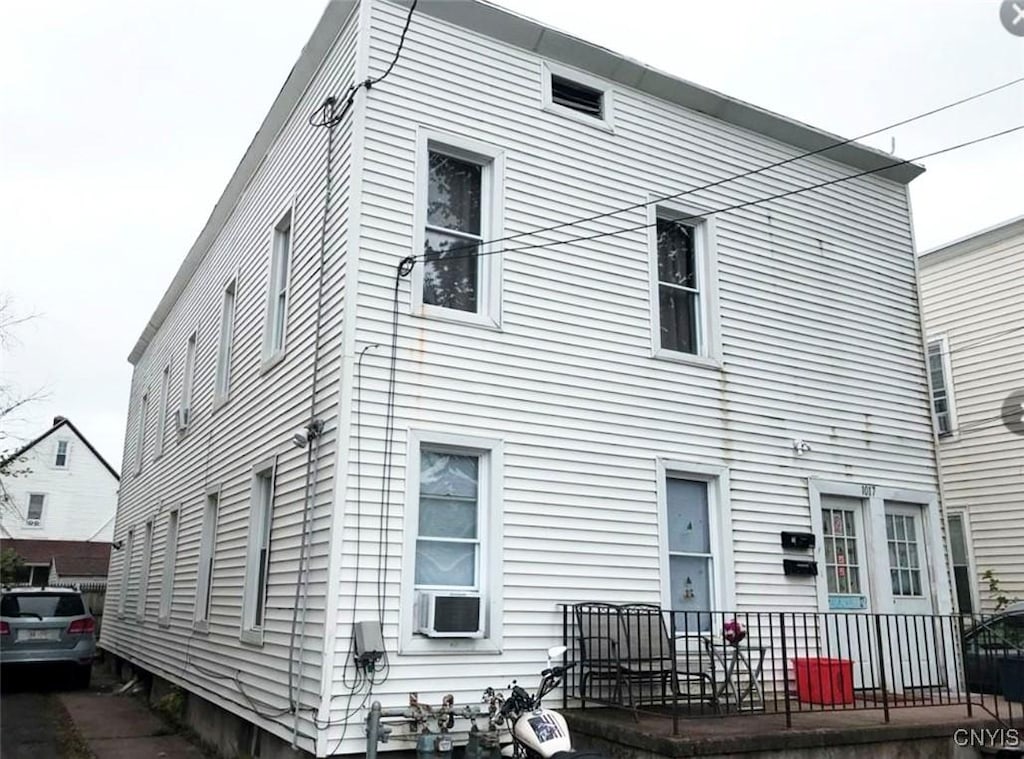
x=651, y=733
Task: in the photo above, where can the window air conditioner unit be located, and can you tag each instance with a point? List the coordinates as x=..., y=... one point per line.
x=181, y=419
x=450, y=615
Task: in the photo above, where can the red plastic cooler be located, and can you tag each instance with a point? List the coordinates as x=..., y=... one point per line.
x=824, y=681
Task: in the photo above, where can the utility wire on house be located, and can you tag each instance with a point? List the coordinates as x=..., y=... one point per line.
x=745, y=204
x=744, y=174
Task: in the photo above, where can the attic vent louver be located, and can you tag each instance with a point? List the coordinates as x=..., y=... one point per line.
x=579, y=97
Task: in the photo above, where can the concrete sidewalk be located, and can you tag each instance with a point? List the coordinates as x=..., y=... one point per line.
x=122, y=727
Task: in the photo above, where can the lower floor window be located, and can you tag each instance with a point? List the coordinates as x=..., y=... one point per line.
x=690, y=558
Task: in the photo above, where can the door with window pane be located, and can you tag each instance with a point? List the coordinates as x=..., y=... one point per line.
x=848, y=632
x=913, y=637
x=690, y=559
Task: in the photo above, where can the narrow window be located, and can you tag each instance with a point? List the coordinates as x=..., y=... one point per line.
x=170, y=559
x=161, y=419
x=448, y=545
x=61, y=460
x=126, y=575
x=842, y=549
x=34, y=517
x=140, y=436
x=941, y=400
x=147, y=558
x=576, y=96
x=455, y=223
x=280, y=261
x=227, y=321
x=187, y=383
x=690, y=558
x=261, y=517
x=207, y=550
x=678, y=286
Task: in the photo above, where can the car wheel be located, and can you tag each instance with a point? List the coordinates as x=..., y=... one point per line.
x=82, y=677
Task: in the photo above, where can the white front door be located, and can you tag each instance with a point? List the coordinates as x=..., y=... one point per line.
x=912, y=638
x=848, y=631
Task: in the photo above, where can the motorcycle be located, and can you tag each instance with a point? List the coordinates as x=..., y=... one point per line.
x=539, y=733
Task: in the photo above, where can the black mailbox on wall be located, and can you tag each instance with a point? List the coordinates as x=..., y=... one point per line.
x=800, y=567
x=798, y=540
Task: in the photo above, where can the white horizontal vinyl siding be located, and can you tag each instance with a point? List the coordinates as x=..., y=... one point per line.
x=975, y=298
x=222, y=444
x=820, y=339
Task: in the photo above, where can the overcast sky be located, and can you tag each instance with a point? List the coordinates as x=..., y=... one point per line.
x=121, y=122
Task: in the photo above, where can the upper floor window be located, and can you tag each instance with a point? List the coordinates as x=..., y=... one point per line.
x=140, y=435
x=576, y=95
x=61, y=459
x=161, y=419
x=941, y=388
x=277, y=306
x=682, y=267
x=460, y=197
x=222, y=386
x=34, y=515
x=188, y=379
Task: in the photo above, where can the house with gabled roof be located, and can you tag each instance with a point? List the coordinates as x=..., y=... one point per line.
x=59, y=500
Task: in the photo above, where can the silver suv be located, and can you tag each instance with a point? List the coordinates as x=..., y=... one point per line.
x=40, y=626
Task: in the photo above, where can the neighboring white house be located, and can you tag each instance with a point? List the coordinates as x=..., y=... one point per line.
x=60, y=496
x=560, y=415
x=972, y=294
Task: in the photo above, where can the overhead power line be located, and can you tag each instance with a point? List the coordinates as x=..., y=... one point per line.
x=745, y=174
x=745, y=204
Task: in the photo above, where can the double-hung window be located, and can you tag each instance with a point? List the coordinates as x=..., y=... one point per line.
x=453, y=540
x=170, y=560
x=460, y=211
x=126, y=574
x=277, y=297
x=684, y=291
x=188, y=378
x=222, y=386
x=691, y=561
x=140, y=435
x=161, y=419
x=34, y=515
x=261, y=518
x=61, y=459
x=207, y=553
x=941, y=387
x=147, y=559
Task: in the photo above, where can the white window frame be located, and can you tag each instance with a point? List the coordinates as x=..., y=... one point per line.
x=492, y=224
x=875, y=562
x=207, y=560
x=222, y=376
x=161, y=419
x=722, y=591
x=259, y=539
x=607, y=120
x=273, y=353
x=57, y=453
x=169, y=566
x=972, y=567
x=489, y=529
x=147, y=560
x=126, y=575
x=140, y=435
x=188, y=377
x=947, y=377
x=709, y=353
x=42, y=512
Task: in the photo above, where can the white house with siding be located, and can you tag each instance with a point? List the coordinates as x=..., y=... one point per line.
x=58, y=496
x=632, y=416
x=972, y=293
